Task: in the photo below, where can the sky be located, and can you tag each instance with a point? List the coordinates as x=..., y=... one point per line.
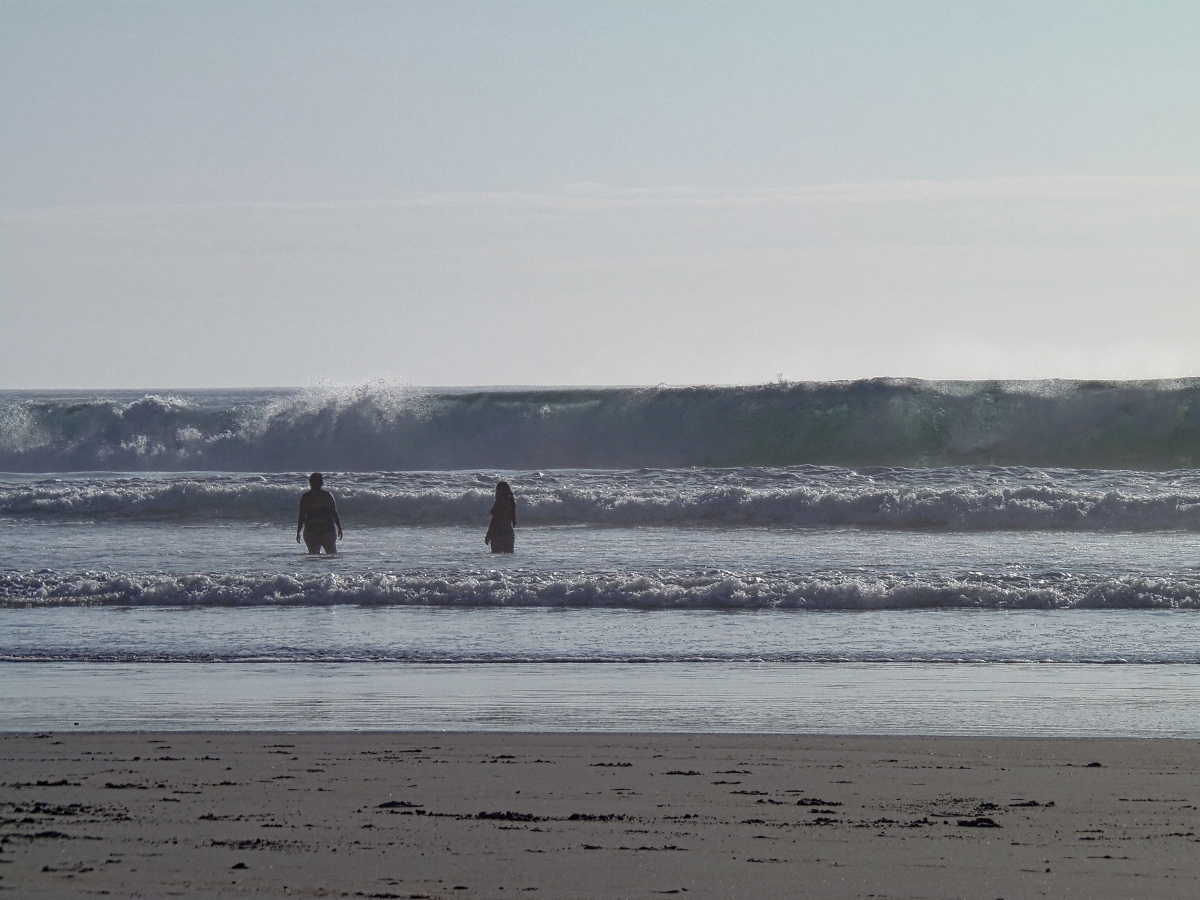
x=210, y=194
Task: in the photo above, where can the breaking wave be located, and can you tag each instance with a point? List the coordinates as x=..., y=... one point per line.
x=1151, y=425
x=962, y=499
x=716, y=590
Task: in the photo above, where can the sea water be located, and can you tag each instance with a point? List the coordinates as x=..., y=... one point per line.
x=151, y=577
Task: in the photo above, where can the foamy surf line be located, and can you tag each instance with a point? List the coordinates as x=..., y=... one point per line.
x=713, y=590
x=958, y=499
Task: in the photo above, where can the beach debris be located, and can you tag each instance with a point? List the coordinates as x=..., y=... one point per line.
x=979, y=822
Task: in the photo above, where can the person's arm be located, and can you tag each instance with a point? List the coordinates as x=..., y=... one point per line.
x=300, y=521
x=336, y=520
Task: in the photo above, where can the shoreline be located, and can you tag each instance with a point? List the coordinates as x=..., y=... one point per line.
x=980, y=699
x=581, y=815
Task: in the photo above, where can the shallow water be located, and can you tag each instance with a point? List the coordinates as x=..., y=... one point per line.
x=854, y=698
x=384, y=634
x=227, y=564
x=974, y=601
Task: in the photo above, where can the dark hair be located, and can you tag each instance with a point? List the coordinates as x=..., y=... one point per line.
x=315, y=480
x=503, y=488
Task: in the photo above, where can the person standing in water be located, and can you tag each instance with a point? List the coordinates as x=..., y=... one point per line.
x=318, y=517
x=504, y=519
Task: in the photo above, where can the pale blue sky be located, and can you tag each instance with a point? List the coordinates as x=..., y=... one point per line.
x=172, y=170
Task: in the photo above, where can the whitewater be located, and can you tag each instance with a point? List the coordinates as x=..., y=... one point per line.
x=969, y=527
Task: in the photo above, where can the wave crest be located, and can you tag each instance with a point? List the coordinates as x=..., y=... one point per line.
x=1151, y=425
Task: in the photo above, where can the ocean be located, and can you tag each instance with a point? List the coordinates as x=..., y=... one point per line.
x=879, y=557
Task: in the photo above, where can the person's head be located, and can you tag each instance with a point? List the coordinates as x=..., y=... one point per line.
x=315, y=480
x=503, y=490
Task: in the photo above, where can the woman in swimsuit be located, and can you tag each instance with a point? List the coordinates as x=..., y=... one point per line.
x=318, y=517
x=504, y=518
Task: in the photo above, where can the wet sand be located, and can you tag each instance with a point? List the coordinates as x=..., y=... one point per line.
x=605, y=816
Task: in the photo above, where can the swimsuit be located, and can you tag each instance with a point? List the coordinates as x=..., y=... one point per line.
x=319, y=528
x=318, y=520
x=500, y=532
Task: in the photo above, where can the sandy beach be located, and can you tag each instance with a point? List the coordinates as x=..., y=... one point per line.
x=583, y=815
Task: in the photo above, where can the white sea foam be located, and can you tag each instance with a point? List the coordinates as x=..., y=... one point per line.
x=950, y=499
x=702, y=590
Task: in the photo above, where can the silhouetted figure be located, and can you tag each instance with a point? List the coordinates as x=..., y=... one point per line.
x=504, y=518
x=318, y=517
